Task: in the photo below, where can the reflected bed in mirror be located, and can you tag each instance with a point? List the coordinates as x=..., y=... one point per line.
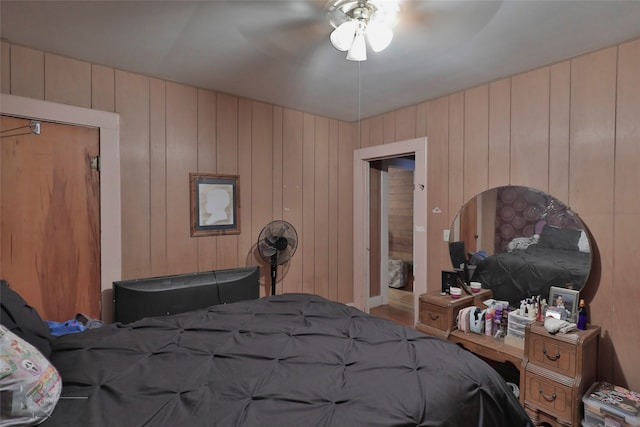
x=521, y=241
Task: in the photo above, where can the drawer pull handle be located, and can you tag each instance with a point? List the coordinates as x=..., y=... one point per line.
x=434, y=316
x=552, y=358
x=546, y=396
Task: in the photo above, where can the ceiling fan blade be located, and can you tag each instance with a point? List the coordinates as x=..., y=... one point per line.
x=301, y=26
x=290, y=41
x=336, y=16
x=436, y=14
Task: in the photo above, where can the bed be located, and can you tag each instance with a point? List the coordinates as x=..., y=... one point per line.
x=529, y=267
x=286, y=360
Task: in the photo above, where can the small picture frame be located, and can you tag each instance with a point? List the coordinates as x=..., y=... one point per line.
x=215, y=206
x=564, y=301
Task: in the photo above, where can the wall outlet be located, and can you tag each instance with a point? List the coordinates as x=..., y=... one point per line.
x=445, y=235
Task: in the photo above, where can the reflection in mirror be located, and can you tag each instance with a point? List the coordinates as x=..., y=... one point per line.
x=519, y=242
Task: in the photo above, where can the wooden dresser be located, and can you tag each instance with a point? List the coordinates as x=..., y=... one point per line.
x=555, y=370
x=558, y=369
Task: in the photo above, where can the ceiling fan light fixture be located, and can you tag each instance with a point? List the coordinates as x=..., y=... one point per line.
x=366, y=21
x=342, y=37
x=379, y=36
x=358, y=50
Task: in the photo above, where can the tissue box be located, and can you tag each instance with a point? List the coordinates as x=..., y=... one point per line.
x=604, y=402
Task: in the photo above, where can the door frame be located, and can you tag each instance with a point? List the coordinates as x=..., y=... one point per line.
x=383, y=271
x=361, y=163
x=110, y=212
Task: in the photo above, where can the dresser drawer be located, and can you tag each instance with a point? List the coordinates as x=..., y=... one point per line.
x=552, y=354
x=552, y=397
x=434, y=316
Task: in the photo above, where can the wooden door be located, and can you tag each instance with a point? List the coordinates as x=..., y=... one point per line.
x=50, y=217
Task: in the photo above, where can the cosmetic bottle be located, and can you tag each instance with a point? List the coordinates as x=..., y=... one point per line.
x=488, y=323
x=497, y=323
x=582, y=315
x=539, y=314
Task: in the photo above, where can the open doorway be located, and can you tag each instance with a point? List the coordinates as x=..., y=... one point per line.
x=391, y=238
x=370, y=258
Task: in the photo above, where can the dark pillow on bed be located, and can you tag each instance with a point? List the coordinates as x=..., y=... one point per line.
x=559, y=238
x=23, y=320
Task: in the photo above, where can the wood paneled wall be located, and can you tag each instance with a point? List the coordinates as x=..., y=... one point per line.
x=291, y=165
x=400, y=201
x=570, y=129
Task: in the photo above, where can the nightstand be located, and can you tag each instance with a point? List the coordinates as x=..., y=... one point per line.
x=558, y=369
x=438, y=313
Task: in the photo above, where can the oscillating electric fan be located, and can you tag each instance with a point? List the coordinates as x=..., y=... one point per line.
x=277, y=243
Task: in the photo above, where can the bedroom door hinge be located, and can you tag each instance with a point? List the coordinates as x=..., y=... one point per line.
x=94, y=163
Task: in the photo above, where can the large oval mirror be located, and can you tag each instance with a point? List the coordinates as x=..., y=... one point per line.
x=518, y=242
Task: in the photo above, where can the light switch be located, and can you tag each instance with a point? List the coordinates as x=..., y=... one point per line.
x=445, y=235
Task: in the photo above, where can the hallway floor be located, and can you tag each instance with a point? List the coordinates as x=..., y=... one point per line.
x=399, y=309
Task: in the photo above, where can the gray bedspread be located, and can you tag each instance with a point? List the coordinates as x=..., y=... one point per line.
x=512, y=276
x=288, y=360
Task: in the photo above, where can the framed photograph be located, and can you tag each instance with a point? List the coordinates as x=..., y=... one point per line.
x=215, y=206
x=564, y=301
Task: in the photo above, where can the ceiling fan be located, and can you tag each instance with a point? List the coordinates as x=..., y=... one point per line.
x=357, y=22
x=348, y=25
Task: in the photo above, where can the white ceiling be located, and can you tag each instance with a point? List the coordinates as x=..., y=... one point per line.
x=278, y=51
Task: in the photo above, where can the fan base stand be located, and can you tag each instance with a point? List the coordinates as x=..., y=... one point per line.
x=274, y=272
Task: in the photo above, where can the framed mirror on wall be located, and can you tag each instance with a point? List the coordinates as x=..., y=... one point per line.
x=520, y=242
